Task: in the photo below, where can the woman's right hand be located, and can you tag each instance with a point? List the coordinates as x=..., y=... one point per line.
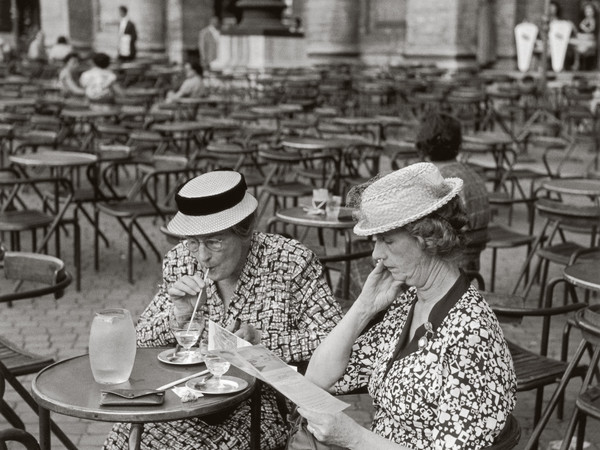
x=184, y=293
x=379, y=291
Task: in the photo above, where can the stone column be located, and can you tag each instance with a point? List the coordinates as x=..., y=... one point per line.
x=150, y=20
x=506, y=17
x=174, y=33
x=444, y=32
x=331, y=29
x=81, y=25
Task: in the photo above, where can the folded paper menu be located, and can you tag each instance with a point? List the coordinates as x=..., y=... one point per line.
x=260, y=362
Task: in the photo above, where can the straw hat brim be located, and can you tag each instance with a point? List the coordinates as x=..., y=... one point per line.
x=366, y=227
x=185, y=225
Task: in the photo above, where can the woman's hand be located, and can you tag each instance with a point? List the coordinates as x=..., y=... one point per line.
x=184, y=293
x=380, y=289
x=332, y=429
x=249, y=333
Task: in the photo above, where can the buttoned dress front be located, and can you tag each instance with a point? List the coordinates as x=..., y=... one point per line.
x=450, y=389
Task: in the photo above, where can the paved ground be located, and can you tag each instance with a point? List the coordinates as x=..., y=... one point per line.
x=60, y=328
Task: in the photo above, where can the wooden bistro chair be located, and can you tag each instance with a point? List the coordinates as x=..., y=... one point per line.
x=559, y=217
x=22, y=211
x=151, y=196
x=17, y=435
x=535, y=369
x=34, y=275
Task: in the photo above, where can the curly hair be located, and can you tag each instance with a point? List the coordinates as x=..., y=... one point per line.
x=440, y=234
x=439, y=137
x=245, y=228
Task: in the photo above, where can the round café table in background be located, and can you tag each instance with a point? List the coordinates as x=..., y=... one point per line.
x=68, y=387
x=344, y=222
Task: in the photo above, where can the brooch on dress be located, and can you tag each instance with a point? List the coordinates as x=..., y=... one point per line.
x=428, y=335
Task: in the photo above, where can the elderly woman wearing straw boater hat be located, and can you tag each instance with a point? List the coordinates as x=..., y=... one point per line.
x=436, y=364
x=270, y=288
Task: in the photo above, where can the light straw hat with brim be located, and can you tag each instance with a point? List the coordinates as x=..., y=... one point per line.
x=211, y=203
x=404, y=196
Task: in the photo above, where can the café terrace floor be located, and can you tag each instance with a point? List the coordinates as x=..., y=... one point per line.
x=60, y=328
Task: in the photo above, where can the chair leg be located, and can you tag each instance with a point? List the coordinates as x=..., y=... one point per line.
x=10, y=415
x=25, y=395
x=581, y=432
x=130, y=252
x=493, y=271
x=544, y=277
x=77, y=252
x=539, y=400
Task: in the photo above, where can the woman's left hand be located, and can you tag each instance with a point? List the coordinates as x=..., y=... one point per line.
x=249, y=333
x=332, y=429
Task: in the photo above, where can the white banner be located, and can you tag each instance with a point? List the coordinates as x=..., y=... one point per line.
x=525, y=36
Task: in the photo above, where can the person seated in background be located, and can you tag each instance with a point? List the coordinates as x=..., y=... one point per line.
x=6, y=51
x=439, y=139
x=192, y=86
x=60, y=50
x=100, y=83
x=436, y=364
x=37, y=48
x=270, y=288
x=67, y=77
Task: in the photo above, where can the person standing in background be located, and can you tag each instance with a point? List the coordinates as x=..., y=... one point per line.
x=208, y=42
x=127, y=36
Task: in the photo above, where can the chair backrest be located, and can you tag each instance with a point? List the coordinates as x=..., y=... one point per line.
x=16, y=435
x=34, y=267
x=588, y=321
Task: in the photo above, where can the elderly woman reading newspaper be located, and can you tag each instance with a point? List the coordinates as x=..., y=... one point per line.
x=273, y=287
x=436, y=365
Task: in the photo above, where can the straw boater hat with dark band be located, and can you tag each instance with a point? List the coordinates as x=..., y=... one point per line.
x=211, y=203
x=404, y=196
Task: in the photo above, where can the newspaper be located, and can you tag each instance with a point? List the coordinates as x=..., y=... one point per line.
x=261, y=363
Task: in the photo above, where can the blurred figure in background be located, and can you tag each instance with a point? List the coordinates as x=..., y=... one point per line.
x=208, y=43
x=60, y=50
x=37, y=48
x=127, y=36
x=100, y=83
x=438, y=140
x=67, y=77
x=192, y=86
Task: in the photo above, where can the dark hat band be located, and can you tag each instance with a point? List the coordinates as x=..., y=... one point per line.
x=212, y=204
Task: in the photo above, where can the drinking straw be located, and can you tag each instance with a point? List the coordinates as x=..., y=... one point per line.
x=181, y=380
x=198, y=301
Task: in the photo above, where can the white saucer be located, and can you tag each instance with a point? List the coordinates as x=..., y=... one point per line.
x=168, y=357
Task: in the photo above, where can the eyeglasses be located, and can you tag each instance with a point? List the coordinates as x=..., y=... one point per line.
x=213, y=244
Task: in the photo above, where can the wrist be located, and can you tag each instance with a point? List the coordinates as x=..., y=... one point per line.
x=357, y=440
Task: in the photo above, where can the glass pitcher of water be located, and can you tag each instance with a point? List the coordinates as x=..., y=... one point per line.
x=112, y=346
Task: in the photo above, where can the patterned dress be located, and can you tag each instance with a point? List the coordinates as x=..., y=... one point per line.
x=447, y=389
x=282, y=292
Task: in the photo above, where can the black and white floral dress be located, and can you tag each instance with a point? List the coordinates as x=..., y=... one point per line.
x=281, y=291
x=452, y=390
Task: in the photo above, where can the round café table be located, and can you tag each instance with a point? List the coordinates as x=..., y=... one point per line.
x=343, y=222
x=60, y=164
x=573, y=186
x=84, y=119
x=335, y=147
x=495, y=143
x=185, y=132
x=584, y=275
x=68, y=387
